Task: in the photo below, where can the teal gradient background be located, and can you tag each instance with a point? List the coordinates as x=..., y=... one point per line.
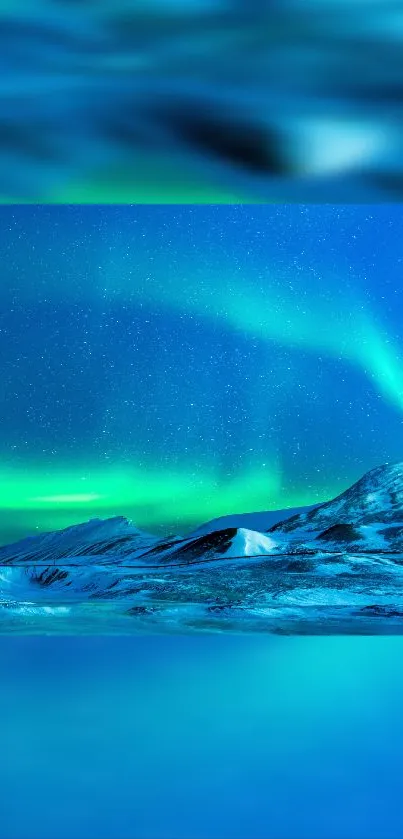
x=189, y=738
x=174, y=364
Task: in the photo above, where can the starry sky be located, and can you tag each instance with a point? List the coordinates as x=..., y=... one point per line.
x=178, y=363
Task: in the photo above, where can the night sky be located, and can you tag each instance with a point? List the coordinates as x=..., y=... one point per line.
x=178, y=363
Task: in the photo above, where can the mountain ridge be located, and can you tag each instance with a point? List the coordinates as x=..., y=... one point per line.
x=369, y=514
x=370, y=506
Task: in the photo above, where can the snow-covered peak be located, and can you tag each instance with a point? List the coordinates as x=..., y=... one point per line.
x=376, y=497
x=218, y=545
x=108, y=538
x=250, y=543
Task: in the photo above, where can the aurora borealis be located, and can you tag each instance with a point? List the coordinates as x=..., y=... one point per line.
x=174, y=364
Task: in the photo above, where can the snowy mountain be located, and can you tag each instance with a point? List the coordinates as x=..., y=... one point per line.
x=221, y=544
x=99, y=541
x=367, y=516
x=115, y=541
x=105, y=560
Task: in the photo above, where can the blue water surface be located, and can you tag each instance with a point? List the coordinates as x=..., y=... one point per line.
x=214, y=736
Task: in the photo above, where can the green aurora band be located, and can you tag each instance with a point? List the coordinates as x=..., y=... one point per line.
x=340, y=327
x=160, y=501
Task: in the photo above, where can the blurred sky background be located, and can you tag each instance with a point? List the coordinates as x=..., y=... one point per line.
x=177, y=364
x=201, y=101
